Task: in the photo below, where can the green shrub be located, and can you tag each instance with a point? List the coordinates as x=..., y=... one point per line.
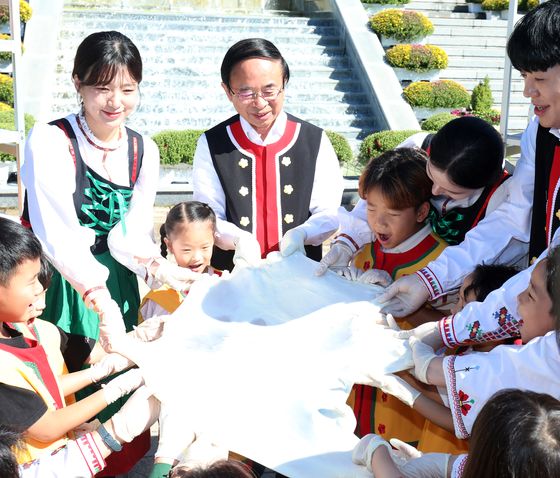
x=403, y=25
x=481, y=98
x=495, y=5
x=386, y=2
x=435, y=122
x=7, y=121
x=526, y=5
x=6, y=89
x=177, y=147
x=25, y=12
x=377, y=143
x=417, y=57
x=341, y=147
x=437, y=94
x=491, y=116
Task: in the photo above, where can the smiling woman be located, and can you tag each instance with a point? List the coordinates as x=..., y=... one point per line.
x=91, y=185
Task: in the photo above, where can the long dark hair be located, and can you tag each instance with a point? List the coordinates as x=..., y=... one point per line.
x=516, y=435
x=470, y=151
x=102, y=55
x=185, y=212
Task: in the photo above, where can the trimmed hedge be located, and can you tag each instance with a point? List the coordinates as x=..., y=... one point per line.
x=177, y=147
x=25, y=12
x=341, y=147
x=417, y=57
x=495, y=5
x=435, y=122
x=403, y=25
x=437, y=94
x=377, y=143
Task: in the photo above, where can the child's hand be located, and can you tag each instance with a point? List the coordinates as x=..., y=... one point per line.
x=109, y=365
x=364, y=450
x=376, y=276
x=422, y=355
x=339, y=255
x=122, y=385
x=413, y=463
x=397, y=387
x=179, y=278
x=149, y=330
x=138, y=413
x=87, y=427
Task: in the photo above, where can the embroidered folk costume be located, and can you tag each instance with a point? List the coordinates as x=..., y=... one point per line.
x=268, y=187
x=376, y=411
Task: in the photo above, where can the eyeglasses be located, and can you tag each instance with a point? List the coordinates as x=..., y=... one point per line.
x=268, y=94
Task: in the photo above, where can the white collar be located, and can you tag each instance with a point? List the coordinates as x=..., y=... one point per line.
x=275, y=133
x=555, y=132
x=411, y=242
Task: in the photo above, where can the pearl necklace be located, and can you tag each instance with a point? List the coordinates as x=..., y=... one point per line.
x=97, y=144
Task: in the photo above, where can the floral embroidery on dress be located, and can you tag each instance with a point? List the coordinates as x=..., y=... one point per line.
x=289, y=218
x=381, y=429
x=286, y=161
x=367, y=266
x=383, y=397
x=288, y=189
x=243, y=163
x=465, y=403
x=244, y=190
x=503, y=317
x=474, y=330
x=244, y=221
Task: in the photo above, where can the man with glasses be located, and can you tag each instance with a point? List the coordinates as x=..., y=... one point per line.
x=272, y=179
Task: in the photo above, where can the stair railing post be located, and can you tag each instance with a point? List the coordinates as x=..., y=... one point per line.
x=506, y=88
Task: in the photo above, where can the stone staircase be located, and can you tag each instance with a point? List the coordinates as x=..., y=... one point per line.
x=476, y=48
x=182, y=54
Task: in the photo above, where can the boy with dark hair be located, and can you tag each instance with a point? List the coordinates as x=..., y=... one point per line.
x=32, y=385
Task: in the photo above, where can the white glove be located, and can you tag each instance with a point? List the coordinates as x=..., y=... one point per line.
x=404, y=296
x=422, y=355
x=351, y=273
x=174, y=435
x=339, y=255
x=150, y=329
x=138, y=413
x=122, y=385
x=178, y=278
x=427, y=333
x=293, y=241
x=397, y=387
x=376, y=276
x=108, y=365
x=247, y=250
x=415, y=464
x=363, y=451
x=111, y=324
